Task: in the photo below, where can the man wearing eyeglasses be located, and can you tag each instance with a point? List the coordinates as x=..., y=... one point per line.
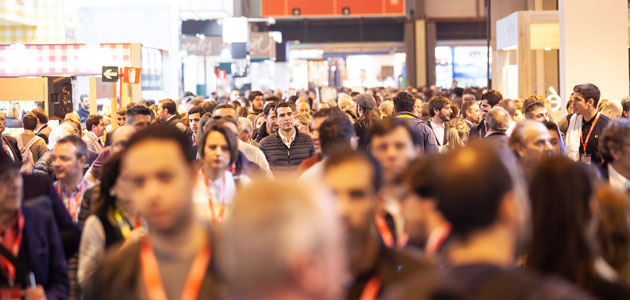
x=586, y=126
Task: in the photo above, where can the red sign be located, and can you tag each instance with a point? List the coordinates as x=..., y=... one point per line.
x=132, y=75
x=332, y=8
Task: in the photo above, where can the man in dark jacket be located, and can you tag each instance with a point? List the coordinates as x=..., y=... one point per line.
x=270, y=126
x=287, y=148
x=8, y=144
x=403, y=109
x=488, y=100
x=30, y=236
x=167, y=114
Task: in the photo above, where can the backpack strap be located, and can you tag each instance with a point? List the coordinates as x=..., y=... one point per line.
x=32, y=142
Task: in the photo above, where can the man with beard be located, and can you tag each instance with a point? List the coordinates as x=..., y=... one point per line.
x=440, y=111
x=354, y=179
x=270, y=126
x=489, y=100
x=256, y=100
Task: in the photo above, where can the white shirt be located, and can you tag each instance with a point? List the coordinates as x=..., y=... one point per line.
x=290, y=140
x=256, y=156
x=315, y=173
x=438, y=130
x=219, y=192
x=617, y=180
x=511, y=126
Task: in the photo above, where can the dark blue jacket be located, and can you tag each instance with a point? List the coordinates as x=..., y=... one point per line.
x=42, y=253
x=39, y=191
x=424, y=133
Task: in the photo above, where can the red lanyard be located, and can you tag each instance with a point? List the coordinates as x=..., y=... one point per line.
x=383, y=230
x=386, y=234
x=371, y=289
x=15, y=240
x=153, y=281
x=584, y=143
x=73, y=206
x=216, y=216
x=436, y=239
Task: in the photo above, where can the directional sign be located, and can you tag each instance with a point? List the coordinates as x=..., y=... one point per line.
x=110, y=73
x=132, y=75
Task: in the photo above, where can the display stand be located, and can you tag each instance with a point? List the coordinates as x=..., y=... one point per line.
x=527, y=54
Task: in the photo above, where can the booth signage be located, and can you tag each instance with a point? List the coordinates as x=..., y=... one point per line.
x=262, y=45
x=132, y=75
x=208, y=46
x=110, y=73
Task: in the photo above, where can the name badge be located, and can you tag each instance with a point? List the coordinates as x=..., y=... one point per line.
x=585, y=158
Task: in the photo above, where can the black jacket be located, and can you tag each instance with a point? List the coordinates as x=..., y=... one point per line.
x=12, y=143
x=478, y=132
x=41, y=252
x=39, y=191
x=282, y=159
x=260, y=133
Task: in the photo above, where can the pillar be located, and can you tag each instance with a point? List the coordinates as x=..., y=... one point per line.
x=431, y=37
x=421, y=53
x=415, y=44
x=594, y=47
x=410, y=51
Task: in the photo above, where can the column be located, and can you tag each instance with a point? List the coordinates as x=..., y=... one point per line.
x=594, y=46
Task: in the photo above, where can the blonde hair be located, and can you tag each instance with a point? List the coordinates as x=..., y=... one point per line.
x=457, y=134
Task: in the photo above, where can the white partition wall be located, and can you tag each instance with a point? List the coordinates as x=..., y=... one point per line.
x=594, y=46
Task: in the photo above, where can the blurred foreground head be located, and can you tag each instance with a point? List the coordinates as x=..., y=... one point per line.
x=282, y=240
x=489, y=196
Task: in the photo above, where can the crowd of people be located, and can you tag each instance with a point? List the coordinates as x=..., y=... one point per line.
x=380, y=194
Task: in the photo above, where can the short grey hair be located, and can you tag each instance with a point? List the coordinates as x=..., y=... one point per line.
x=498, y=119
x=245, y=125
x=469, y=97
x=615, y=136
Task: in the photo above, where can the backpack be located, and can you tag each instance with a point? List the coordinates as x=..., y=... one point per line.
x=27, y=156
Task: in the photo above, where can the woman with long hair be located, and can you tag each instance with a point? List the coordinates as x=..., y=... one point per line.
x=367, y=117
x=218, y=152
x=565, y=219
x=113, y=221
x=457, y=134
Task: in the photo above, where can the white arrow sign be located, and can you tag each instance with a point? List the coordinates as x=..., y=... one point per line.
x=109, y=74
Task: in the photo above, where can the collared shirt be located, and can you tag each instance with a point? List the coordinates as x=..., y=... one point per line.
x=440, y=134
x=287, y=142
x=40, y=128
x=73, y=198
x=617, y=180
x=6, y=149
x=94, y=143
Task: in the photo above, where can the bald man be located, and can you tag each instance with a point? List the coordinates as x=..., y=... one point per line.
x=303, y=108
x=531, y=142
